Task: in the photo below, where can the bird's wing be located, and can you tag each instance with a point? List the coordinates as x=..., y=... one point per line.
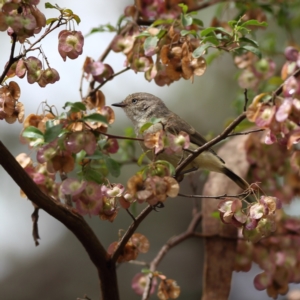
x=175, y=124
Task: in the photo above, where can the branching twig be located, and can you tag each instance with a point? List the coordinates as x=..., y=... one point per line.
x=130, y=231
x=172, y=242
x=13, y=59
x=75, y=223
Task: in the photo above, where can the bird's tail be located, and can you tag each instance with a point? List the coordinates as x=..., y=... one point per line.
x=243, y=184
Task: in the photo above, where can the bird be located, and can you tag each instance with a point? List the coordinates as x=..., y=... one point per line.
x=141, y=108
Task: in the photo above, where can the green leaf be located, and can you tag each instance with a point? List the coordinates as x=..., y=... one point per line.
x=144, y=33
x=51, y=20
x=211, y=39
x=95, y=117
x=252, y=49
x=32, y=132
x=254, y=23
x=198, y=22
x=142, y=156
x=249, y=41
x=159, y=22
x=75, y=106
x=183, y=7
x=207, y=31
x=161, y=33
x=102, y=28
x=199, y=51
x=113, y=166
x=76, y=18
x=91, y=174
x=232, y=23
x=221, y=29
x=186, y=20
x=145, y=127
x=49, y=5
x=68, y=11
x=186, y=32
x=52, y=133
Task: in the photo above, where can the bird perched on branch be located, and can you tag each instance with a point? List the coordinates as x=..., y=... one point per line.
x=141, y=108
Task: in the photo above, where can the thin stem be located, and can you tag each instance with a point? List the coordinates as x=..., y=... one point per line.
x=172, y=242
x=108, y=79
x=209, y=144
x=11, y=58
x=246, y=193
x=119, y=137
x=130, y=232
x=245, y=132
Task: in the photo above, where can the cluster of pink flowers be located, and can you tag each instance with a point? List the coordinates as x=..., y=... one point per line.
x=257, y=220
x=21, y=18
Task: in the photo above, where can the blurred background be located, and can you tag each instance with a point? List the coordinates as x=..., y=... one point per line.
x=59, y=267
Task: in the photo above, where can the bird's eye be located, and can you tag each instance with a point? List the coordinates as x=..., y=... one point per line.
x=134, y=100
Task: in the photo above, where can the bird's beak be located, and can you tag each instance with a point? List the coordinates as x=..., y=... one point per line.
x=120, y=104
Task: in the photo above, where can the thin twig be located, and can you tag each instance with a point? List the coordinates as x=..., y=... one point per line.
x=246, y=132
x=108, y=79
x=130, y=232
x=120, y=137
x=246, y=99
x=172, y=242
x=11, y=57
x=31, y=48
x=246, y=193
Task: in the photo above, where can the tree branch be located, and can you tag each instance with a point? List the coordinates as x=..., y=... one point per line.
x=75, y=223
x=130, y=232
x=172, y=242
x=209, y=144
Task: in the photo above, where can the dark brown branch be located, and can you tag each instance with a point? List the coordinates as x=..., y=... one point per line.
x=246, y=99
x=35, y=228
x=31, y=48
x=75, y=223
x=12, y=59
x=211, y=143
x=130, y=232
x=172, y=242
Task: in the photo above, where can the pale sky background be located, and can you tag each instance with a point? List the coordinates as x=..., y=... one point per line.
x=202, y=103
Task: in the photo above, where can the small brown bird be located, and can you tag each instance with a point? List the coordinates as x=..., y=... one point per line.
x=142, y=107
